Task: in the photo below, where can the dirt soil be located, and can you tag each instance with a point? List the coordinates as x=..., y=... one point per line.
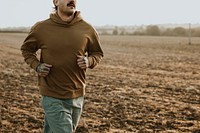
x=143, y=85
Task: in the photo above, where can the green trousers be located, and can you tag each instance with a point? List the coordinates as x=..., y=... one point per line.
x=61, y=115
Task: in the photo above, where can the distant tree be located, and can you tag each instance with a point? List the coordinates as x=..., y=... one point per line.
x=179, y=31
x=139, y=33
x=122, y=33
x=196, y=32
x=104, y=33
x=115, y=31
x=167, y=32
x=152, y=30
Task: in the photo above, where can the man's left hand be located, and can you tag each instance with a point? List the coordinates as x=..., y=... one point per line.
x=83, y=62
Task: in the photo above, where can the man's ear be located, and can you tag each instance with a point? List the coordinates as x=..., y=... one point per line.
x=55, y=2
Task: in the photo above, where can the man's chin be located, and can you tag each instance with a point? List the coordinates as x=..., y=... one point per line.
x=70, y=12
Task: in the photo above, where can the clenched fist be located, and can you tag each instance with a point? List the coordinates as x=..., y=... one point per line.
x=43, y=69
x=82, y=62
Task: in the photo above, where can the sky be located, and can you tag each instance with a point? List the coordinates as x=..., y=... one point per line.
x=25, y=13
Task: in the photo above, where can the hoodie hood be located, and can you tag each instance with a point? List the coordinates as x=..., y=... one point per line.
x=56, y=18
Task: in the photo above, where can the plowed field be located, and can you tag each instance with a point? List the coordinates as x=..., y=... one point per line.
x=143, y=84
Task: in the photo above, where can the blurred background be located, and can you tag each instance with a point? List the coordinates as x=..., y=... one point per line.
x=130, y=17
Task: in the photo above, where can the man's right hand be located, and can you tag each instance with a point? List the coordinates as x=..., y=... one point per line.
x=43, y=69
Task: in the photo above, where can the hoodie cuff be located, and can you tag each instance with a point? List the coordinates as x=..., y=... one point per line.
x=91, y=62
x=35, y=64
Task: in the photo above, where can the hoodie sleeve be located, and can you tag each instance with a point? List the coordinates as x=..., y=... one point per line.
x=29, y=49
x=95, y=52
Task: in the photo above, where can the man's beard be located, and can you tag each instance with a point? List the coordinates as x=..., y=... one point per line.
x=68, y=12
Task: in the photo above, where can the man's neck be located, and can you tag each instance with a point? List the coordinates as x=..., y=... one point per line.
x=66, y=18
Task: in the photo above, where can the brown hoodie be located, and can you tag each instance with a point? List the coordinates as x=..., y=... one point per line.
x=60, y=43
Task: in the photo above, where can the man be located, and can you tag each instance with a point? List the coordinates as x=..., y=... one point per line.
x=69, y=46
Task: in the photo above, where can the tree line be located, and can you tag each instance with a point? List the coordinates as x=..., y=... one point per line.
x=153, y=30
x=150, y=30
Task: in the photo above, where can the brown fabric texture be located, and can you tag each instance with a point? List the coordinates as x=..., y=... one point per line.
x=60, y=44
